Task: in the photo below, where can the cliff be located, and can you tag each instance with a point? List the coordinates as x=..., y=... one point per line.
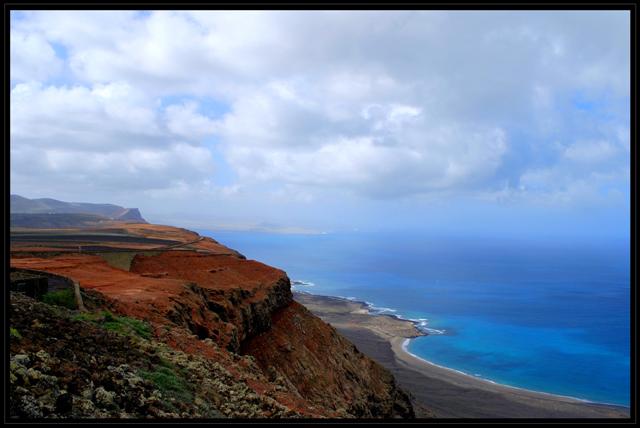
x=326, y=368
x=216, y=308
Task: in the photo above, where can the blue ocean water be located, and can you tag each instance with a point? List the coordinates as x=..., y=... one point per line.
x=546, y=316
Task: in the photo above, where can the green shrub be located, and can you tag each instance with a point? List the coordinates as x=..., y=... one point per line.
x=122, y=259
x=122, y=325
x=141, y=328
x=94, y=316
x=13, y=332
x=168, y=382
x=65, y=298
x=85, y=316
x=114, y=326
x=118, y=259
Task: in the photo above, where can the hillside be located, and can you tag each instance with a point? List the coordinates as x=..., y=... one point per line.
x=228, y=340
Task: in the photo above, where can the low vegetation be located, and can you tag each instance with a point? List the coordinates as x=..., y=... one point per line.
x=13, y=332
x=170, y=381
x=122, y=325
x=122, y=259
x=65, y=298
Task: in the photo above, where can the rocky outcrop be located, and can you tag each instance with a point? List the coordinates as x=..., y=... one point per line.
x=238, y=296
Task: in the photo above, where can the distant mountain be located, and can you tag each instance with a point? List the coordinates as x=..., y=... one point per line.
x=22, y=205
x=18, y=204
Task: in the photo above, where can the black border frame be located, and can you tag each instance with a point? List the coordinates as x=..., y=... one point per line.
x=630, y=6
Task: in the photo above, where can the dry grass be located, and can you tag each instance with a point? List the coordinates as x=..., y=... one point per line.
x=122, y=259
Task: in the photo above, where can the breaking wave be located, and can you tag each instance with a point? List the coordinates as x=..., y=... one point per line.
x=302, y=283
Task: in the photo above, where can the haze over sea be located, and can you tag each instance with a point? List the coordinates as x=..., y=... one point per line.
x=536, y=314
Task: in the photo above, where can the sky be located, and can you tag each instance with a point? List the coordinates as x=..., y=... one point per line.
x=449, y=122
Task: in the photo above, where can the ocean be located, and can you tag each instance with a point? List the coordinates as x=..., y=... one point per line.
x=535, y=314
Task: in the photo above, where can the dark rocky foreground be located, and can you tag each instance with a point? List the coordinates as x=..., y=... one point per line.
x=63, y=366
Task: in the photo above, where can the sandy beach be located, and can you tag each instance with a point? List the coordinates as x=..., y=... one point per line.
x=438, y=391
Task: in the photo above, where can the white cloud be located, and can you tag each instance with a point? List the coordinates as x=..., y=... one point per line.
x=441, y=158
x=184, y=121
x=591, y=151
x=108, y=136
x=32, y=58
x=377, y=105
x=97, y=118
x=131, y=169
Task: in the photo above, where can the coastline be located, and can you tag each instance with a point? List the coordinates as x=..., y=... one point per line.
x=439, y=390
x=404, y=350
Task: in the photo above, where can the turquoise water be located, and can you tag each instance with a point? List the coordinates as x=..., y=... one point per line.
x=546, y=316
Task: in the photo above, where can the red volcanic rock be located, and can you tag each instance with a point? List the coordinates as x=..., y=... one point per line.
x=240, y=294
x=131, y=294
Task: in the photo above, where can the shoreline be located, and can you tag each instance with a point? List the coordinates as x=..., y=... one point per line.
x=374, y=311
x=404, y=349
x=385, y=338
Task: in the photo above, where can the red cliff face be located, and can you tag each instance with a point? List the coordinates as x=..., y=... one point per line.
x=219, y=306
x=324, y=367
x=239, y=296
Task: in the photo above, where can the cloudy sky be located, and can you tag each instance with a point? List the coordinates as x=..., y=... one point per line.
x=456, y=122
